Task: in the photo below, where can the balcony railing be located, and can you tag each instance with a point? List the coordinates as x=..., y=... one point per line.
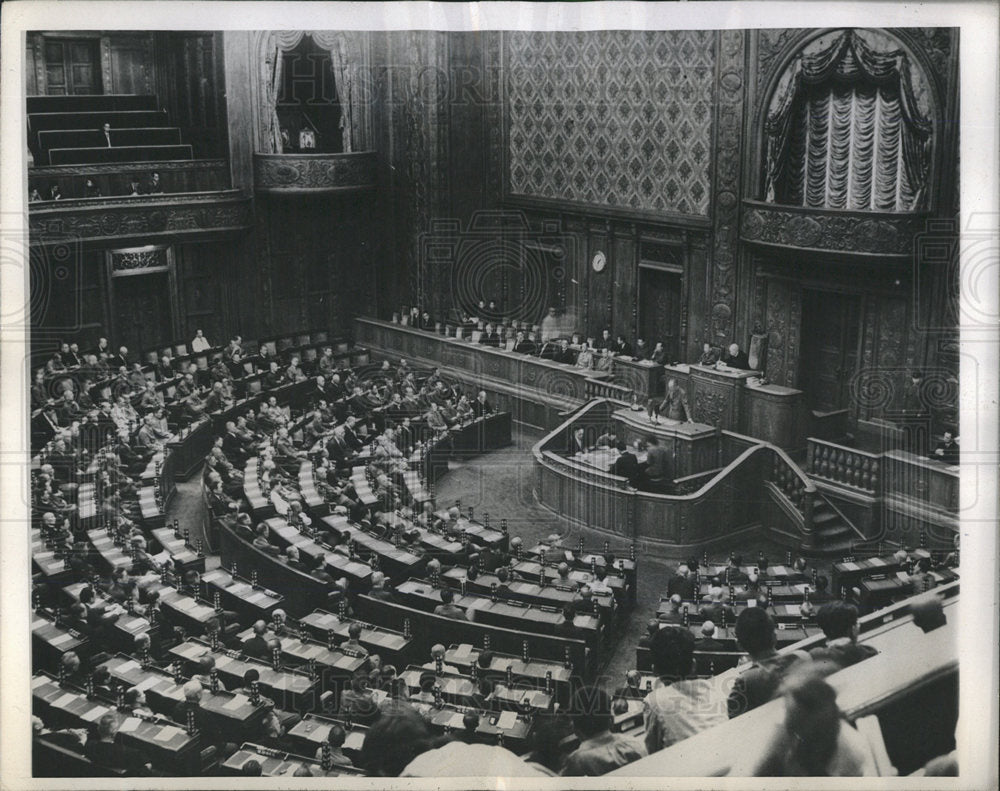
x=314, y=173
x=831, y=230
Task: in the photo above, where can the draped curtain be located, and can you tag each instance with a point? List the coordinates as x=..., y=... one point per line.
x=344, y=72
x=846, y=132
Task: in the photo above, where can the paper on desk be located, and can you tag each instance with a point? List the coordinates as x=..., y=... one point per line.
x=463, y=650
x=237, y=702
x=456, y=721
x=37, y=681
x=64, y=700
x=94, y=714
x=148, y=683
x=167, y=733
x=506, y=720
x=184, y=603
x=63, y=638
x=129, y=724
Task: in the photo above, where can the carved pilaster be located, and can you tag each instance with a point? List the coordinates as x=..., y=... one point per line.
x=726, y=183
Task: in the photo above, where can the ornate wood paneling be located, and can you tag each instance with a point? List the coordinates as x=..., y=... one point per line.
x=207, y=214
x=314, y=173
x=726, y=150
x=851, y=233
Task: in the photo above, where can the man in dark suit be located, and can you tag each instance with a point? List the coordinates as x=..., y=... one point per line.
x=707, y=641
x=657, y=473
x=522, y=345
x=839, y=622
x=736, y=358
x=946, y=450
x=626, y=465
x=256, y=644
x=682, y=584
x=622, y=346
x=120, y=360
x=759, y=681
x=481, y=406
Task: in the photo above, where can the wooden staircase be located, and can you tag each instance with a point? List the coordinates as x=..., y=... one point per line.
x=832, y=535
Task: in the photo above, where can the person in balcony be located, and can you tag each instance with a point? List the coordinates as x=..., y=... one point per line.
x=946, y=450
x=200, y=343
x=91, y=190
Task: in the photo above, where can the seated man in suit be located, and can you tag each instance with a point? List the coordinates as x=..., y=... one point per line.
x=522, y=345
x=652, y=627
x=567, y=627
x=709, y=355
x=256, y=644
x=946, y=450
x=657, y=472
x=707, y=641
x=448, y=608
x=626, y=465
x=736, y=358
x=839, y=622
x=760, y=680
x=622, y=346
x=107, y=750
x=682, y=583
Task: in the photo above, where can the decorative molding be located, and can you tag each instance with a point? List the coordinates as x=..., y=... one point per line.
x=129, y=261
x=710, y=407
x=55, y=171
x=314, y=173
x=726, y=150
x=848, y=233
x=141, y=216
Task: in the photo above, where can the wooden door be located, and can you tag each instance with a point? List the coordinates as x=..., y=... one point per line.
x=141, y=308
x=828, y=358
x=660, y=310
x=72, y=66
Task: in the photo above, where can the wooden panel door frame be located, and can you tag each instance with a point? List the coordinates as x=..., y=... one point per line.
x=843, y=292
x=173, y=297
x=674, y=270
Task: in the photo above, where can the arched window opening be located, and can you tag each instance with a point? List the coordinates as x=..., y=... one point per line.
x=848, y=127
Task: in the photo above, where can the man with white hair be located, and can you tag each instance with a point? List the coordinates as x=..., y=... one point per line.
x=707, y=641
x=438, y=652
x=378, y=590
x=736, y=358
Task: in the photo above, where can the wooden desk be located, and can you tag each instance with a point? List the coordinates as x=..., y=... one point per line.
x=50, y=642
x=162, y=692
x=500, y=613
x=694, y=447
x=393, y=647
x=311, y=732
x=534, y=670
x=167, y=746
x=459, y=689
x=723, y=398
x=396, y=562
x=643, y=377
x=278, y=764
x=240, y=595
x=289, y=689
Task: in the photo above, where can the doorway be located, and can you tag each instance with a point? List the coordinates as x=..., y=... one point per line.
x=72, y=66
x=142, y=313
x=660, y=310
x=828, y=356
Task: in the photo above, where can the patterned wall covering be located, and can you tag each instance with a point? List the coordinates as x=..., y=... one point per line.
x=619, y=118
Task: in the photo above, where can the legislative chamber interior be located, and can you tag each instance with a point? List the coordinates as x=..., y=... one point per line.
x=529, y=403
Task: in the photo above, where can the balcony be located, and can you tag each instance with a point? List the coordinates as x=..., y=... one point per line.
x=853, y=233
x=177, y=216
x=310, y=174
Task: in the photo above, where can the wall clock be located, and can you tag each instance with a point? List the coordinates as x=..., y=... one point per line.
x=599, y=262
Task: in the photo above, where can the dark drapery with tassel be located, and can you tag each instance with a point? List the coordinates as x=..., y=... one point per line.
x=846, y=132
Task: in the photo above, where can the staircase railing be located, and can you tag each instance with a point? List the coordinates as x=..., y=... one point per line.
x=794, y=485
x=842, y=515
x=849, y=467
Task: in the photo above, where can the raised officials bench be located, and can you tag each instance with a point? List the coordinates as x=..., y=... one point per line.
x=427, y=629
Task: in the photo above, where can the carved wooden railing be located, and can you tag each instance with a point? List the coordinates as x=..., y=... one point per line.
x=600, y=388
x=794, y=485
x=314, y=173
x=849, y=467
